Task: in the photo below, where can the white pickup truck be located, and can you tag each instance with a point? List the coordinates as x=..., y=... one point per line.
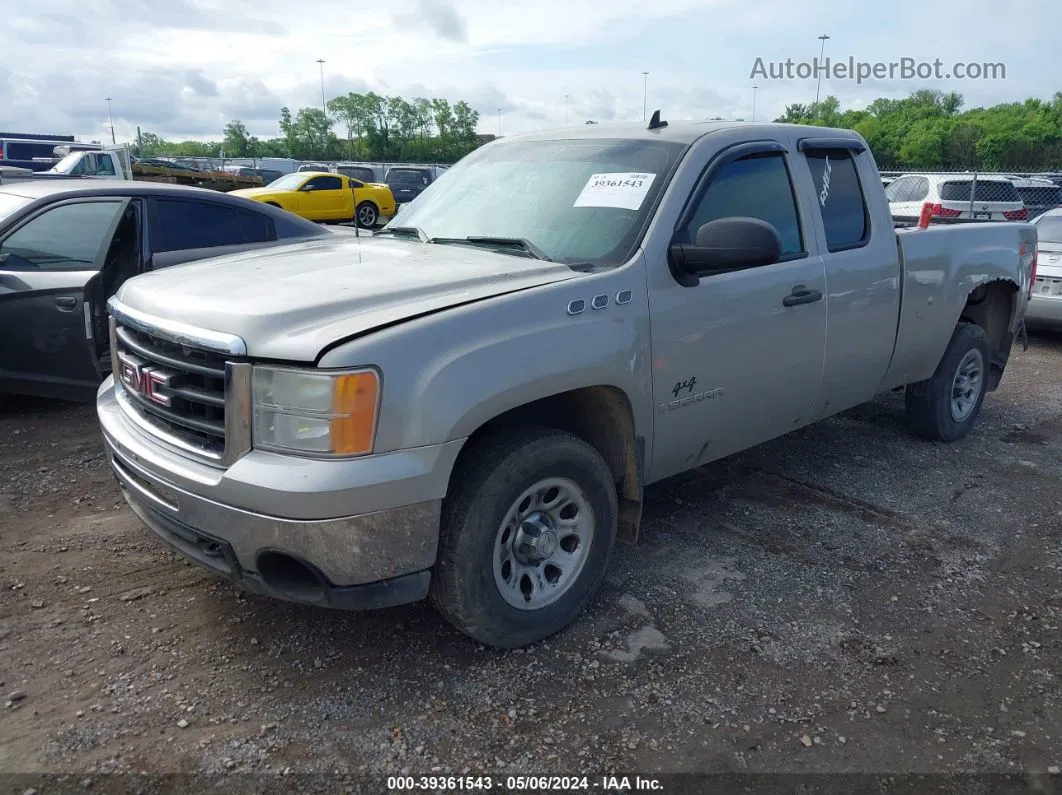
x=111, y=162
x=468, y=404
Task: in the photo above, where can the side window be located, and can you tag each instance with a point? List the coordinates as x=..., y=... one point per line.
x=326, y=183
x=757, y=186
x=72, y=237
x=106, y=165
x=840, y=198
x=356, y=184
x=256, y=227
x=899, y=190
x=185, y=225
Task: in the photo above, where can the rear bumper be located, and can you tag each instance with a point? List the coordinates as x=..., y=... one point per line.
x=1044, y=312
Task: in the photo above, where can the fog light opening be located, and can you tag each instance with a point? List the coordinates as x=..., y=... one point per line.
x=290, y=577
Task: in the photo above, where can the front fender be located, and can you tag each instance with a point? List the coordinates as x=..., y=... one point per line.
x=447, y=374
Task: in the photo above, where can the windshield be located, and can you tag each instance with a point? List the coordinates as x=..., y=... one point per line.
x=9, y=203
x=65, y=165
x=289, y=182
x=1048, y=228
x=576, y=201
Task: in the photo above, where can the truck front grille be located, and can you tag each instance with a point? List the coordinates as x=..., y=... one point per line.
x=189, y=396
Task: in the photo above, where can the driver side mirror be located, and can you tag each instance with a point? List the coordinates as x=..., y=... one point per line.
x=306, y=188
x=724, y=245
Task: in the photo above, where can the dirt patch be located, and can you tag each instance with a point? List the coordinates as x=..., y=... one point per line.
x=846, y=599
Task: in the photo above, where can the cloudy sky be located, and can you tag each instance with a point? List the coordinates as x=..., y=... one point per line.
x=183, y=68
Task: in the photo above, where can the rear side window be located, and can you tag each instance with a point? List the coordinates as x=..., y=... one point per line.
x=256, y=228
x=987, y=190
x=840, y=198
x=186, y=225
x=325, y=183
x=755, y=187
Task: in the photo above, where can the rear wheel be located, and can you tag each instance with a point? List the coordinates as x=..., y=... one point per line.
x=366, y=216
x=945, y=407
x=527, y=534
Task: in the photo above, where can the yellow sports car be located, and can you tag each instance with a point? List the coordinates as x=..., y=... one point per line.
x=320, y=196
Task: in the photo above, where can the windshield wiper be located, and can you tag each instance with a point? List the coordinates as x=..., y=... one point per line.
x=524, y=245
x=415, y=231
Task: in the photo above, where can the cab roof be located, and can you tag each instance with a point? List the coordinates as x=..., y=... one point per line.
x=682, y=132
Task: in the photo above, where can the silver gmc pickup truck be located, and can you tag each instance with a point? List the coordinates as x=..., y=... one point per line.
x=468, y=405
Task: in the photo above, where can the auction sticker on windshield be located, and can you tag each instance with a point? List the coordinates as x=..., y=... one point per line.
x=625, y=190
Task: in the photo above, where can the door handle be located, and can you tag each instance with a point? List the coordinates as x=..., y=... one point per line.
x=801, y=295
x=66, y=303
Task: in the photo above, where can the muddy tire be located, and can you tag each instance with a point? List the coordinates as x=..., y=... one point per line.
x=945, y=407
x=367, y=215
x=527, y=535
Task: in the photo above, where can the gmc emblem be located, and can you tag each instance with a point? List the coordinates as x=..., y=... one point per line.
x=138, y=376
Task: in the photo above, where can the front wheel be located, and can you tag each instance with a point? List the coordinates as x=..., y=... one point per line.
x=366, y=216
x=527, y=535
x=945, y=407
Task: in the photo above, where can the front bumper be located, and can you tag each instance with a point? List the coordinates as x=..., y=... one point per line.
x=356, y=522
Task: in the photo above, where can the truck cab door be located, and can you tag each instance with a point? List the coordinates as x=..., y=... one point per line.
x=737, y=355
x=48, y=266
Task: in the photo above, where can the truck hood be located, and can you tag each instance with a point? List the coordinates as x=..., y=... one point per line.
x=290, y=302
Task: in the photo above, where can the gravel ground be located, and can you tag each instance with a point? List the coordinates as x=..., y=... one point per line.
x=844, y=600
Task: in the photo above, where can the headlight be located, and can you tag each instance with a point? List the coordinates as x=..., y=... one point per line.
x=315, y=412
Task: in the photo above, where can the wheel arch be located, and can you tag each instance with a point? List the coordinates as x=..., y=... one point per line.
x=600, y=415
x=992, y=306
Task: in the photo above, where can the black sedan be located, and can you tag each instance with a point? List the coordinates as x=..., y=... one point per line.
x=67, y=245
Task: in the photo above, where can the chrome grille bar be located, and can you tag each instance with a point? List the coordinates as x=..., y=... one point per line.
x=179, y=385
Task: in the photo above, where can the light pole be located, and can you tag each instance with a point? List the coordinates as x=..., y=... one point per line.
x=499, y=122
x=754, y=102
x=645, y=93
x=818, y=70
x=110, y=120
x=566, y=98
x=324, y=108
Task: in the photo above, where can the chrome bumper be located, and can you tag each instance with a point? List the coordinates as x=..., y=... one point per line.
x=355, y=522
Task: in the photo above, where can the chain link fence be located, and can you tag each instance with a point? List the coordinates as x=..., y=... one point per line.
x=970, y=196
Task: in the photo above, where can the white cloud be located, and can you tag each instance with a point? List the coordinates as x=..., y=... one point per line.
x=185, y=67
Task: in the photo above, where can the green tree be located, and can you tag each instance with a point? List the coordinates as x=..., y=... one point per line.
x=443, y=116
x=149, y=144
x=238, y=142
x=313, y=131
x=287, y=130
